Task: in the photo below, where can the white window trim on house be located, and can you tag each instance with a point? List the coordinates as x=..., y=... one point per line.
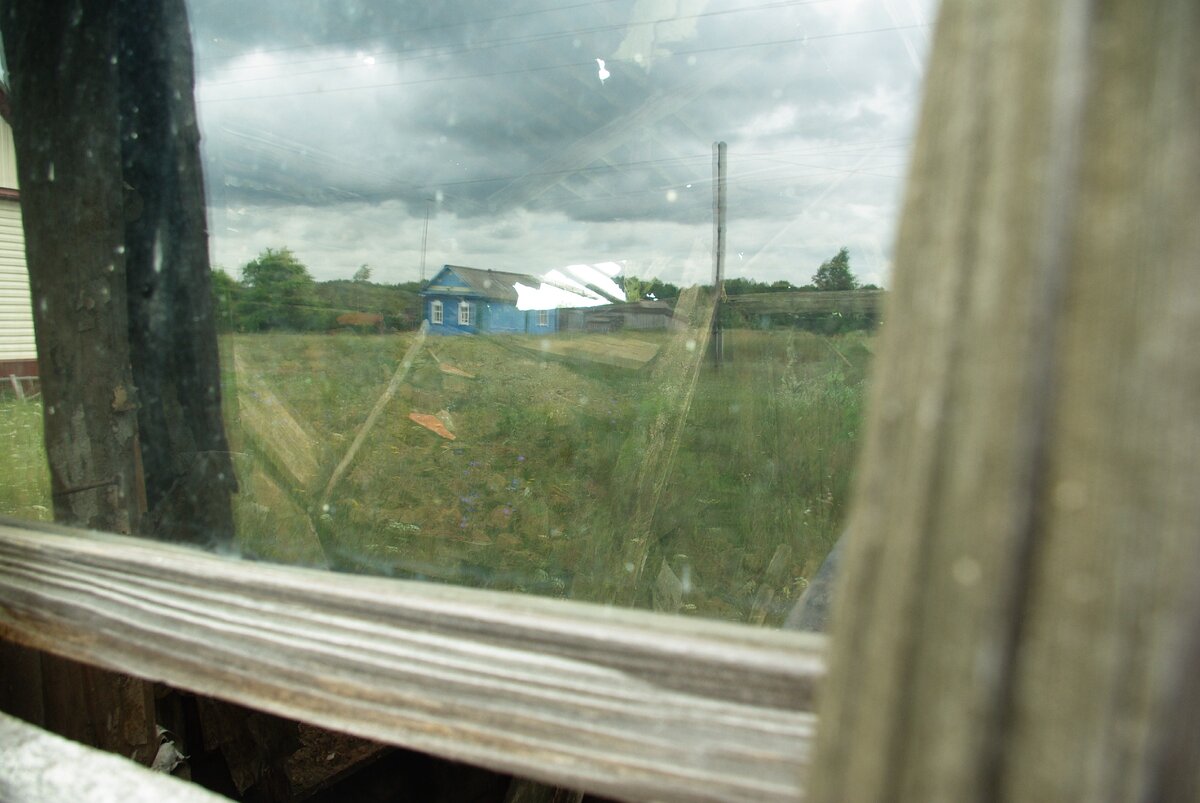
x=435, y=312
x=543, y=317
x=464, y=313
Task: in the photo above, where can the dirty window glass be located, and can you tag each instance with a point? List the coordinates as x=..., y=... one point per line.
x=495, y=309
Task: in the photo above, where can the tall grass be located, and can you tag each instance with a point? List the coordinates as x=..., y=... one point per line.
x=535, y=493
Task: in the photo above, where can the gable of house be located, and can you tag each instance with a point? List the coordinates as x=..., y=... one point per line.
x=497, y=285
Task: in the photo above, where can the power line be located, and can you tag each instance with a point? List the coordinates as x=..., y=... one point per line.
x=437, y=51
x=549, y=67
x=464, y=23
x=649, y=163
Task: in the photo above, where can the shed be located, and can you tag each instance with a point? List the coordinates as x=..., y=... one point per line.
x=18, y=351
x=461, y=300
x=633, y=315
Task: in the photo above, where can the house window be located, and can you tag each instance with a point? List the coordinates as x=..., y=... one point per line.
x=435, y=312
x=543, y=317
x=464, y=313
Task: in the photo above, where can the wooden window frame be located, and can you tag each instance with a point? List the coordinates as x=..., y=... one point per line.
x=464, y=313
x=543, y=317
x=436, y=315
x=1022, y=573
x=626, y=703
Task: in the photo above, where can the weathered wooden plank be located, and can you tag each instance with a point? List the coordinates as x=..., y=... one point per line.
x=618, y=702
x=1024, y=544
x=38, y=766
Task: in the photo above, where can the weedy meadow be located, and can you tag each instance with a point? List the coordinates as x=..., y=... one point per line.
x=556, y=471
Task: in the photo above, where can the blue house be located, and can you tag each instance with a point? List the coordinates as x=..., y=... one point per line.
x=461, y=300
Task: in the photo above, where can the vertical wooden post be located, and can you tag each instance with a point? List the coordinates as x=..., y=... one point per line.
x=172, y=313
x=1013, y=615
x=75, y=248
x=61, y=58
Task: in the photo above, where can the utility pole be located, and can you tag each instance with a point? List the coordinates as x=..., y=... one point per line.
x=424, y=239
x=719, y=167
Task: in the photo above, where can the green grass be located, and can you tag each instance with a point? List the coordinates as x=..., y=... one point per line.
x=537, y=492
x=24, y=477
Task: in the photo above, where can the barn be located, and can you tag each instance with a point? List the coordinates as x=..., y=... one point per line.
x=18, y=352
x=461, y=300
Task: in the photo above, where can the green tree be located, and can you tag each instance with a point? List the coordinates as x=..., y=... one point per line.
x=363, y=274
x=226, y=293
x=835, y=274
x=278, y=293
x=638, y=289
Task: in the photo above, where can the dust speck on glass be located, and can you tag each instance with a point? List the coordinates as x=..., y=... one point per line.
x=485, y=318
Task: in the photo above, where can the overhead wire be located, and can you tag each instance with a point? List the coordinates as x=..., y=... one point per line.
x=441, y=51
x=548, y=67
x=426, y=29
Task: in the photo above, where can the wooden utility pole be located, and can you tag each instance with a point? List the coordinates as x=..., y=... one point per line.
x=719, y=187
x=424, y=241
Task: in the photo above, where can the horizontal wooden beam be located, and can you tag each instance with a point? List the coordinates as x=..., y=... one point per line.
x=36, y=765
x=842, y=301
x=624, y=703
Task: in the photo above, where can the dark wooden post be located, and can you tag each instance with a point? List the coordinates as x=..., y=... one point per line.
x=68, y=144
x=1014, y=611
x=65, y=126
x=113, y=206
x=172, y=315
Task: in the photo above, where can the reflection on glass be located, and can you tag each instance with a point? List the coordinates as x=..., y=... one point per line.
x=471, y=325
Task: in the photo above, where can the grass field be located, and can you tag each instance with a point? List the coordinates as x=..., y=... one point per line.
x=560, y=468
x=24, y=477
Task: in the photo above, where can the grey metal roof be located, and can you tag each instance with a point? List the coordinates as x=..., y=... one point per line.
x=495, y=284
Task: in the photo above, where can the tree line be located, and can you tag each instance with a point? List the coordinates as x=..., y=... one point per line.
x=834, y=274
x=275, y=291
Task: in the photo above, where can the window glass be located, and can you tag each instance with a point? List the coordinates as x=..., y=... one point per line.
x=649, y=395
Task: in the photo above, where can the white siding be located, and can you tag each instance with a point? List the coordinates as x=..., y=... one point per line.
x=8, y=158
x=16, y=310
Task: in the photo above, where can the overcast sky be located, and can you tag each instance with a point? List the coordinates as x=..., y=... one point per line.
x=333, y=128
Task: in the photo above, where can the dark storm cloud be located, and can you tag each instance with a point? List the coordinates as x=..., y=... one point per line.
x=495, y=118
x=506, y=110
